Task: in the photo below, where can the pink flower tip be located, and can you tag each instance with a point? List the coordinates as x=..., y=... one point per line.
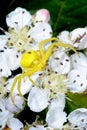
x=42, y=15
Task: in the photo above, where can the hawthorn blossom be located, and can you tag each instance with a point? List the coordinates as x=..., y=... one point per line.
x=50, y=82
x=55, y=112
x=55, y=106
x=78, y=119
x=22, y=33
x=77, y=77
x=21, y=36
x=7, y=118
x=77, y=37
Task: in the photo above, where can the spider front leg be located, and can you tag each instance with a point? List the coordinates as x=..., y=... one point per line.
x=29, y=73
x=19, y=87
x=53, y=45
x=17, y=81
x=12, y=89
x=42, y=52
x=57, y=43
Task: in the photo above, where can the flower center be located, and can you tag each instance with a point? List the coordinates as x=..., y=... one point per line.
x=2, y=89
x=55, y=83
x=19, y=38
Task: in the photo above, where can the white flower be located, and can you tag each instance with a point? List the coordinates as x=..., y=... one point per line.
x=48, y=88
x=50, y=84
x=18, y=18
x=14, y=124
x=6, y=118
x=79, y=62
x=38, y=99
x=10, y=60
x=77, y=77
x=78, y=118
x=56, y=116
x=60, y=62
x=77, y=37
x=76, y=81
x=22, y=35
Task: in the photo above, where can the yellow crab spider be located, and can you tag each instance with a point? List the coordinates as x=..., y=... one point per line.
x=35, y=60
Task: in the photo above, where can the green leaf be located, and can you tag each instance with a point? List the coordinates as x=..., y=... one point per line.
x=65, y=14
x=76, y=100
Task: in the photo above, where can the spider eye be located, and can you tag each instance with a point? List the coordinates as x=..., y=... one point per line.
x=28, y=58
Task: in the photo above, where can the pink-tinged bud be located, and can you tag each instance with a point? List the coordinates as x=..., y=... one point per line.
x=42, y=15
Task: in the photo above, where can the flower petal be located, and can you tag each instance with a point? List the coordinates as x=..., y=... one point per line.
x=56, y=118
x=13, y=58
x=38, y=99
x=14, y=124
x=58, y=102
x=60, y=62
x=64, y=37
x=4, y=114
x=3, y=40
x=18, y=18
x=40, y=31
x=4, y=68
x=79, y=62
x=38, y=127
x=76, y=33
x=18, y=101
x=77, y=81
x=78, y=118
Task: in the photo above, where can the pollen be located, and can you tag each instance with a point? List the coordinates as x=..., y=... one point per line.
x=2, y=87
x=55, y=83
x=19, y=38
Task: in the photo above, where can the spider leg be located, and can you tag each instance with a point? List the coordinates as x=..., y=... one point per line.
x=19, y=85
x=29, y=72
x=49, y=51
x=42, y=52
x=12, y=89
x=32, y=81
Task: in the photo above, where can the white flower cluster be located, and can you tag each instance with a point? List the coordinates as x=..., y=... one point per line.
x=51, y=73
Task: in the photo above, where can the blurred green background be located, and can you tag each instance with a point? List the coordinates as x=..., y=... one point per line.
x=65, y=14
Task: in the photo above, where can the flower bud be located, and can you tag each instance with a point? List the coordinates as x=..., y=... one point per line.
x=42, y=15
